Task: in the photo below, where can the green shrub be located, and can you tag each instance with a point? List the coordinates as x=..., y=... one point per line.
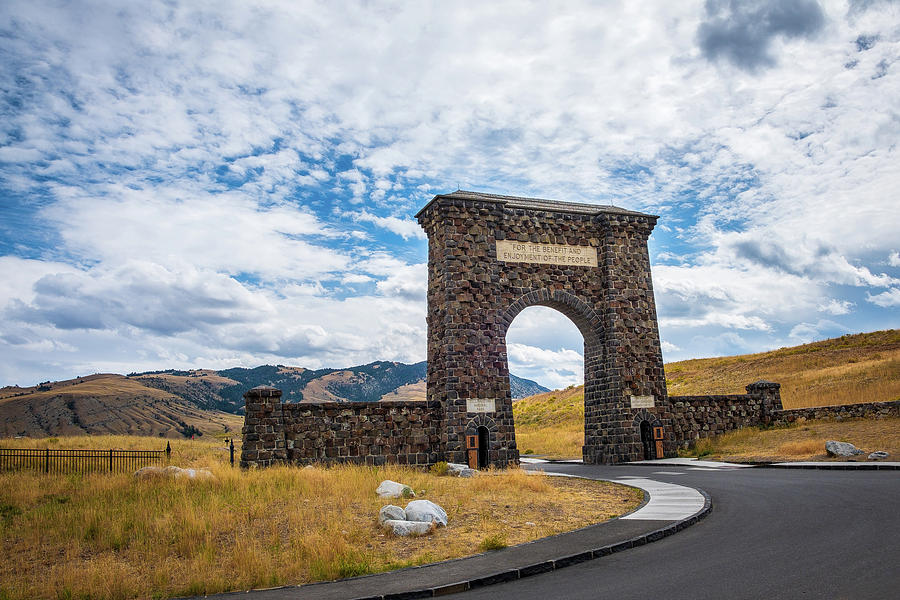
x=493, y=542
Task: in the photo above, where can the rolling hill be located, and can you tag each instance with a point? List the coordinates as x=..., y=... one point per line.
x=105, y=404
x=181, y=403
x=850, y=369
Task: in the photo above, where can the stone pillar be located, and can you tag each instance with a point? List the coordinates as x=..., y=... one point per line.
x=769, y=394
x=263, y=430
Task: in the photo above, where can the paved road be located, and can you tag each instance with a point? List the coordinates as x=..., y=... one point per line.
x=772, y=534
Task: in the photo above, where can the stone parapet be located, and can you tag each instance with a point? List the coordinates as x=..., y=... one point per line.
x=876, y=410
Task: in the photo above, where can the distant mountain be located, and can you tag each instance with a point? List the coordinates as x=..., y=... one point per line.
x=522, y=388
x=173, y=402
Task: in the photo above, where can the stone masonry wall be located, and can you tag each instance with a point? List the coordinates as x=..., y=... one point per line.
x=263, y=429
x=844, y=411
x=696, y=417
x=371, y=433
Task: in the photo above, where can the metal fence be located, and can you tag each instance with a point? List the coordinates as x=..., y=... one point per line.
x=80, y=461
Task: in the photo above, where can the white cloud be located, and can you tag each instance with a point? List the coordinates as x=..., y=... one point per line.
x=669, y=346
x=555, y=369
x=408, y=281
x=804, y=333
x=837, y=307
x=405, y=228
x=218, y=149
x=225, y=232
x=886, y=299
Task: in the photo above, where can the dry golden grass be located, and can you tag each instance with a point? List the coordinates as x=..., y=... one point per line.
x=93, y=385
x=551, y=424
x=560, y=441
x=803, y=441
x=846, y=370
x=197, y=376
x=111, y=536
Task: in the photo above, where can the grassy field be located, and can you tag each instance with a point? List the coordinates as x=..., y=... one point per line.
x=803, y=441
x=845, y=370
x=112, y=536
x=551, y=424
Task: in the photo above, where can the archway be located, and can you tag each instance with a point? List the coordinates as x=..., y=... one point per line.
x=491, y=256
x=484, y=443
x=647, y=441
x=544, y=345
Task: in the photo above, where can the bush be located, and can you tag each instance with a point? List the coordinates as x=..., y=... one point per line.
x=440, y=468
x=493, y=542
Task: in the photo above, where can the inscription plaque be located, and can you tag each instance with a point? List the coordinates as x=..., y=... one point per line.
x=642, y=402
x=481, y=405
x=546, y=254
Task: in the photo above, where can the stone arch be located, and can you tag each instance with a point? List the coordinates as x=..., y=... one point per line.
x=490, y=257
x=489, y=445
x=579, y=312
x=641, y=417
x=645, y=415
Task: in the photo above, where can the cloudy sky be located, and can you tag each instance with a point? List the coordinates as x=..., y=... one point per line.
x=216, y=184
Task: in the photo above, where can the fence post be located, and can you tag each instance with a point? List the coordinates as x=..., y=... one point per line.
x=46, y=460
x=231, y=448
x=168, y=452
x=110, y=461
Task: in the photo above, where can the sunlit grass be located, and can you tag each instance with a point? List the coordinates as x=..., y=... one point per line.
x=803, y=441
x=112, y=536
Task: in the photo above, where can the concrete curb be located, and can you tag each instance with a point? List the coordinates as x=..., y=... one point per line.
x=820, y=465
x=824, y=466
x=552, y=564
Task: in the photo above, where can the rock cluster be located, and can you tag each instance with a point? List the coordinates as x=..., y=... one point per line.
x=460, y=470
x=419, y=517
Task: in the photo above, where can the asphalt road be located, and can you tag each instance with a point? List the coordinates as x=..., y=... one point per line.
x=772, y=534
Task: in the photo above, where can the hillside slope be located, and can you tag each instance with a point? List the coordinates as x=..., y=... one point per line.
x=105, y=404
x=850, y=369
x=172, y=403
x=846, y=370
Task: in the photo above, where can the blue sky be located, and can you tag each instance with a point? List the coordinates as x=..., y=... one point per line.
x=214, y=184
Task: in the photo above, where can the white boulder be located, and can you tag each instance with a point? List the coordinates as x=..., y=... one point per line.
x=151, y=472
x=405, y=528
x=426, y=511
x=834, y=448
x=460, y=470
x=391, y=513
x=173, y=472
x=878, y=455
x=194, y=474
x=392, y=489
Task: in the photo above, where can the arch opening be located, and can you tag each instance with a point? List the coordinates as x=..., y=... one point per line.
x=647, y=441
x=484, y=443
x=546, y=346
